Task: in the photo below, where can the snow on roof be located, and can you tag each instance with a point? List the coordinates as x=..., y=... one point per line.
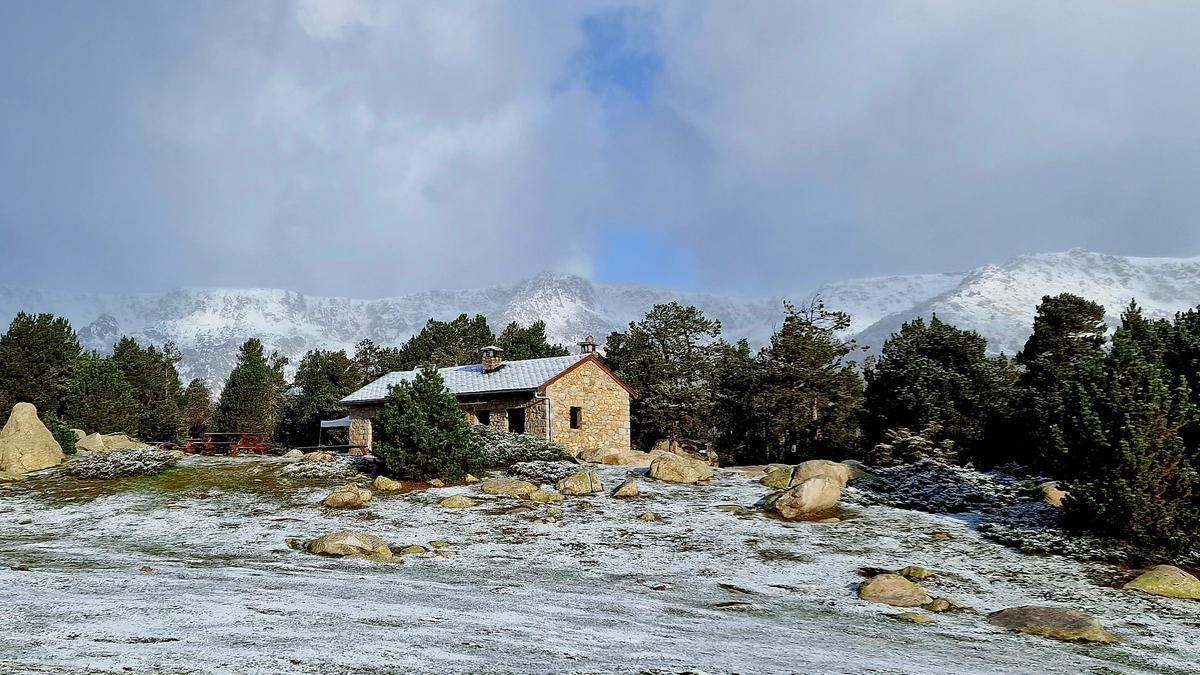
x=525, y=375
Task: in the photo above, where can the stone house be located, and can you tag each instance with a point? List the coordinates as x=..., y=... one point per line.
x=573, y=400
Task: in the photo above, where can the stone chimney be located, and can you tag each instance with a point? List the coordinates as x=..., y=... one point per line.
x=493, y=358
x=588, y=346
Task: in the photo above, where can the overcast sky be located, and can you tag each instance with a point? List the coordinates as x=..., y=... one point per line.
x=369, y=149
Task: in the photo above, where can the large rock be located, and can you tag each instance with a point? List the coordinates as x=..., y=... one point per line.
x=618, y=456
x=679, y=469
x=1060, y=623
x=6, y=477
x=93, y=442
x=894, y=590
x=814, y=497
x=340, y=544
x=347, y=497
x=120, y=442
x=1052, y=494
x=691, y=449
x=582, y=483
x=508, y=487
x=1167, y=581
x=318, y=456
x=26, y=444
x=782, y=476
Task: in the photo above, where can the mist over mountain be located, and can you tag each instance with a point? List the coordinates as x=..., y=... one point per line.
x=209, y=324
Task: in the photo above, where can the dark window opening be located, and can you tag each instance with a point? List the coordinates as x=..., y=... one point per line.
x=516, y=420
x=484, y=417
x=576, y=417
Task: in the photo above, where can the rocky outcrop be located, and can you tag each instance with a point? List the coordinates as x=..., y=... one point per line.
x=508, y=487
x=346, y=544
x=894, y=590
x=814, y=497
x=678, y=469
x=347, y=497
x=1059, y=623
x=1167, y=581
x=582, y=483
x=26, y=444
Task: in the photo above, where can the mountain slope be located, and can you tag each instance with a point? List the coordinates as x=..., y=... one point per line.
x=999, y=301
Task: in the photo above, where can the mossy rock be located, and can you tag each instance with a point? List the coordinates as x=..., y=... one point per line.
x=1167, y=581
x=1058, y=623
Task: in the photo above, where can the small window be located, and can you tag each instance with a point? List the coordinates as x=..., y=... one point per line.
x=576, y=417
x=484, y=417
x=516, y=420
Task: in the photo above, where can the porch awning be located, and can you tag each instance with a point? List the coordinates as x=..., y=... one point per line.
x=334, y=424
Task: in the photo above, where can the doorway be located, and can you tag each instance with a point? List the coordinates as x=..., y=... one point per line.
x=516, y=420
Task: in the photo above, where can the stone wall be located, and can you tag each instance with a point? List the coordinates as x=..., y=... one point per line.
x=497, y=409
x=603, y=405
x=360, y=431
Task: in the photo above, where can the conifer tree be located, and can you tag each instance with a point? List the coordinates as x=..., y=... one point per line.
x=421, y=431
x=38, y=358
x=1068, y=333
x=1131, y=472
x=935, y=376
x=667, y=357
x=153, y=376
x=443, y=344
x=322, y=380
x=739, y=426
x=100, y=399
x=527, y=343
x=252, y=398
x=197, y=407
x=373, y=361
x=811, y=393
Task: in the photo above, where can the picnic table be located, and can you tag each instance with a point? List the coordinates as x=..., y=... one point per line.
x=232, y=443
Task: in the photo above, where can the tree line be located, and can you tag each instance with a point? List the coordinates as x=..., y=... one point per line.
x=1116, y=419
x=137, y=389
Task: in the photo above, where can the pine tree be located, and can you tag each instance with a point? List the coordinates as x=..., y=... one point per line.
x=99, y=398
x=373, y=361
x=667, y=357
x=421, y=431
x=811, y=393
x=197, y=407
x=153, y=376
x=443, y=344
x=253, y=395
x=735, y=383
x=1068, y=333
x=527, y=343
x=1131, y=473
x=39, y=355
x=938, y=377
x=322, y=380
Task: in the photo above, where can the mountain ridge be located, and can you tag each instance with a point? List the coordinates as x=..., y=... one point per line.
x=998, y=300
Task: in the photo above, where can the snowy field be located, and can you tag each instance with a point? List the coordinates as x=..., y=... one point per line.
x=705, y=589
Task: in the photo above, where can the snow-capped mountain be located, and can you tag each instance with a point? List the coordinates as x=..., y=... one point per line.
x=999, y=301
x=209, y=324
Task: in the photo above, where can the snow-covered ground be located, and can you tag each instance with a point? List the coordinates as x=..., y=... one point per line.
x=597, y=591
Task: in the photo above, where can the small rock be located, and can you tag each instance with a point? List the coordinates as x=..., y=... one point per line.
x=913, y=617
x=318, y=456
x=627, y=489
x=1052, y=494
x=458, y=502
x=446, y=554
x=581, y=483
x=545, y=496
x=915, y=573
x=470, y=480
x=147, y=569
x=941, y=536
x=438, y=543
x=291, y=454
x=508, y=487
x=1167, y=581
x=940, y=605
x=437, y=483
x=90, y=443
x=347, y=497
x=346, y=543
x=1059, y=623
x=648, y=516
x=412, y=549
x=894, y=590
x=554, y=511
x=678, y=469
x=385, y=484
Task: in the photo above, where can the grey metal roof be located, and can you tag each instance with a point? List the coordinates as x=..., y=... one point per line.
x=524, y=375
